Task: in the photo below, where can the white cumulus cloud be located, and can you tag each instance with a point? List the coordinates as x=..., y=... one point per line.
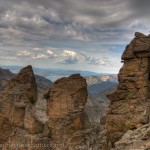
x=24, y=53
x=51, y=54
x=40, y=56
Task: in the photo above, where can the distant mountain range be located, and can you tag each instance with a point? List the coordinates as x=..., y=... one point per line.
x=102, y=83
x=54, y=74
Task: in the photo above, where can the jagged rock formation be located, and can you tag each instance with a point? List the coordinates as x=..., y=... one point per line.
x=97, y=102
x=5, y=75
x=67, y=94
x=66, y=101
x=67, y=126
x=18, y=123
x=129, y=108
x=42, y=85
x=68, y=123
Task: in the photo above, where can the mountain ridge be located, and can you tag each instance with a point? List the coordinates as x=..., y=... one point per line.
x=54, y=74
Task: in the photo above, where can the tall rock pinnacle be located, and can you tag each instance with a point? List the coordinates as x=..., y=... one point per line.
x=18, y=122
x=129, y=107
x=66, y=101
x=24, y=82
x=66, y=95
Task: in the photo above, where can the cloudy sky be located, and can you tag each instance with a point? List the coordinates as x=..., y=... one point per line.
x=71, y=34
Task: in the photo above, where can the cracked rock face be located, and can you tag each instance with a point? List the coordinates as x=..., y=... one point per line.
x=129, y=104
x=66, y=101
x=66, y=95
x=18, y=121
x=68, y=123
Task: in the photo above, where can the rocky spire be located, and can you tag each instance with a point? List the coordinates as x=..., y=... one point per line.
x=66, y=102
x=24, y=82
x=18, y=122
x=129, y=107
x=67, y=126
x=66, y=95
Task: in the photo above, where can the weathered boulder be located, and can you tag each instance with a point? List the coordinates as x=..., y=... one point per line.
x=139, y=47
x=139, y=35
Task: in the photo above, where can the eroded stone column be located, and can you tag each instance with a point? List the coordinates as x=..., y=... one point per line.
x=130, y=103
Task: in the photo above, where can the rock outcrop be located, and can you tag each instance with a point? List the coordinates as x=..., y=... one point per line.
x=66, y=101
x=68, y=123
x=42, y=85
x=130, y=103
x=67, y=126
x=19, y=125
x=66, y=95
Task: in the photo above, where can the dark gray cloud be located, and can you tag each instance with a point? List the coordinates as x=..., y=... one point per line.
x=83, y=20
x=140, y=8
x=44, y=23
